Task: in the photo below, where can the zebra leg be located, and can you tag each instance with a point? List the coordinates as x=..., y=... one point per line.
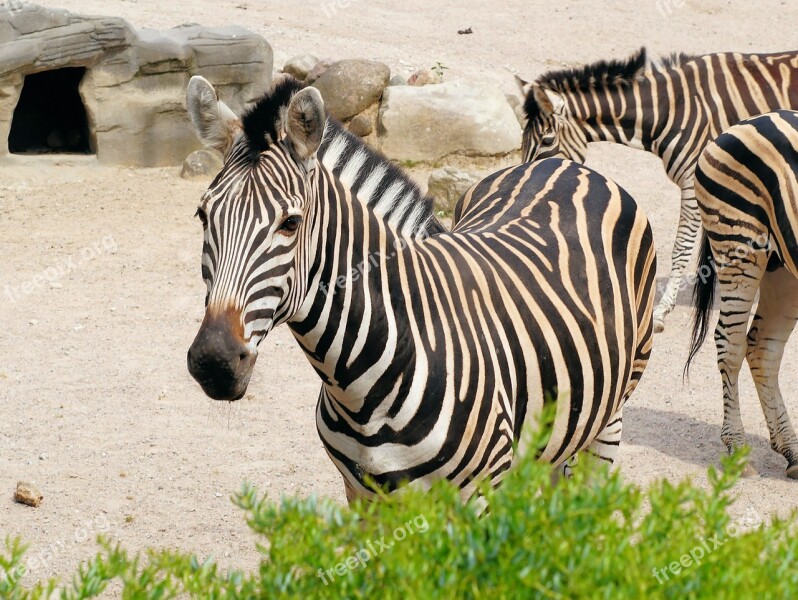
x=607, y=443
x=686, y=233
x=605, y=446
x=739, y=279
x=773, y=323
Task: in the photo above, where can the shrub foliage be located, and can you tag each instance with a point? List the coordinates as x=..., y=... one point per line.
x=591, y=536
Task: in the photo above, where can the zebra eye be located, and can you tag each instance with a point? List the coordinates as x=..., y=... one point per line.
x=202, y=217
x=290, y=225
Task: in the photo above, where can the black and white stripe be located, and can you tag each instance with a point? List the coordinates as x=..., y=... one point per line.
x=747, y=189
x=672, y=107
x=436, y=349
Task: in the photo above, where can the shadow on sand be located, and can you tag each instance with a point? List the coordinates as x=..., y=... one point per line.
x=687, y=439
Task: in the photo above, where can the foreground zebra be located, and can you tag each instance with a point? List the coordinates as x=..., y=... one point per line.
x=747, y=189
x=435, y=349
x=659, y=107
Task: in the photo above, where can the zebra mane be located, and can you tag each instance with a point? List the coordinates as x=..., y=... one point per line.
x=372, y=178
x=378, y=182
x=261, y=122
x=600, y=74
x=676, y=59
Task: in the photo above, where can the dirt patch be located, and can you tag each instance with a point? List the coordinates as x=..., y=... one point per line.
x=101, y=296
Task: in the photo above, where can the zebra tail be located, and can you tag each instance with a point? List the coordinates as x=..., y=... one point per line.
x=703, y=299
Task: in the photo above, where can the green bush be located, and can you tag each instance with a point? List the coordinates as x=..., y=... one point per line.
x=592, y=536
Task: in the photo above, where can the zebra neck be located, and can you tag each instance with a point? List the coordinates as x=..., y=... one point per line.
x=377, y=183
x=644, y=115
x=354, y=325
x=607, y=115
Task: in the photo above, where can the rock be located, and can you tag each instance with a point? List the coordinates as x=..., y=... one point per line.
x=424, y=77
x=430, y=122
x=27, y=493
x=133, y=89
x=350, y=86
x=397, y=80
x=201, y=164
x=299, y=66
x=361, y=126
x=447, y=186
x=318, y=70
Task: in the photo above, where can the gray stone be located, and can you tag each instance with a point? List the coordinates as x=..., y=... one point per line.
x=350, y=86
x=447, y=186
x=318, y=70
x=28, y=493
x=135, y=81
x=431, y=122
x=361, y=126
x=299, y=66
x=424, y=77
x=202, y=164
x=397, y=80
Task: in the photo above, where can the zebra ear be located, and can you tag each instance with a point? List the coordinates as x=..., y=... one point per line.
x=523, y=87
x=215, y=123
x=548, y=101
x=304, y=122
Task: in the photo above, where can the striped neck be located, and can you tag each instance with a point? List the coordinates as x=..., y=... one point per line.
x=377, y=183
x=364, y=212
x=634, y=115
x=354, y=277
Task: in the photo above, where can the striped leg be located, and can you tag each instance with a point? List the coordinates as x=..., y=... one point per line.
x=604, y=446
x=775, y=319
x=608, y=442
x=686, y=234
x=739, y=279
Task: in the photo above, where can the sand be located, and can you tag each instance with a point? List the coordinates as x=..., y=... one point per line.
x=104, y=295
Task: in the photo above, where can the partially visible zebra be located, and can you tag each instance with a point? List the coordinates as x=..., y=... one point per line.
x=435, y=349
x=747, y=189
x=672, y=108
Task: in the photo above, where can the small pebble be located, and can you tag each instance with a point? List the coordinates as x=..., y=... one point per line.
x=27, y=493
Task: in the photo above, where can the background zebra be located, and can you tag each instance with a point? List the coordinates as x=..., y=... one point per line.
x=435, y=349
x=671, y=108
x=747, y=189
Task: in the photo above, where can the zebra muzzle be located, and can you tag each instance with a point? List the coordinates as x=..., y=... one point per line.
x=219, y=358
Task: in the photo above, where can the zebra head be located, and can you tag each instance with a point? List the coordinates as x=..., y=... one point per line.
x=253, y=218
x=549, y=131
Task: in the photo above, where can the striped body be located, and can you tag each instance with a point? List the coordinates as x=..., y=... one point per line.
x=672, y=108
x=747, y=189
x=435, y=348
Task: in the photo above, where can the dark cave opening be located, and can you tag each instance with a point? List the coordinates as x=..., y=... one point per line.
x=50, y=116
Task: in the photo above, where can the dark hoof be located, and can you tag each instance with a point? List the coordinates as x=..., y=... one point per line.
x=792, y=471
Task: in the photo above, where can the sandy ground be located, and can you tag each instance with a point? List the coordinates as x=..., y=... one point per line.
x=96, y=404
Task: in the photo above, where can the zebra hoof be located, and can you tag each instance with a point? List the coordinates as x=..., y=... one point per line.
x=792, y=471
x=659, y=325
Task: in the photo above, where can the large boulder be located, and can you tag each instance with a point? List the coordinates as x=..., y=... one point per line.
x=299, y=66
x=430, y=122
x=447, y=186
x=202, y=164
x=134, y=84
x=424, y=77
x=317, y=70
x=350, y=86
